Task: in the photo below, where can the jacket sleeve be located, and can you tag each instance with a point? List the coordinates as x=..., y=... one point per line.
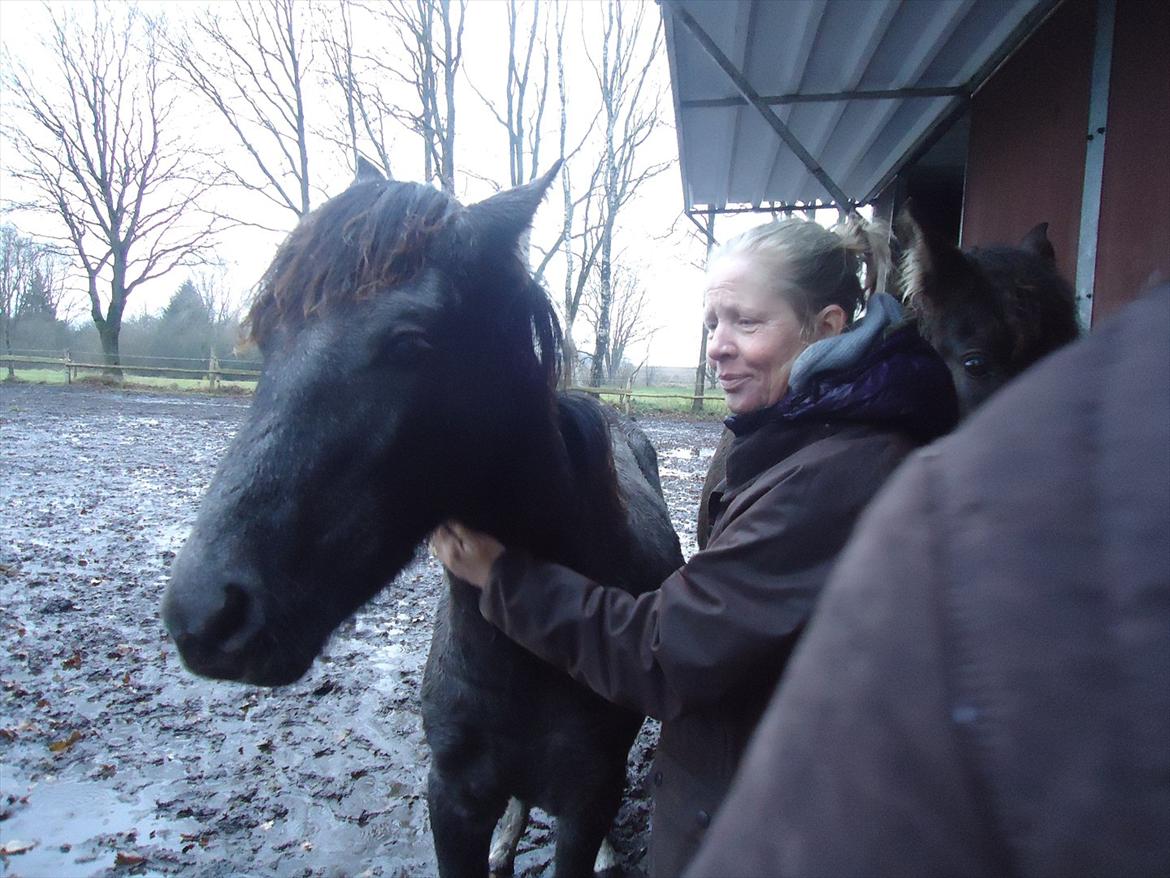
x=729, y=615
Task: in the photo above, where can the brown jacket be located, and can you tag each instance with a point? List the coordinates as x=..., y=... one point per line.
x=703, y=652
x=983, y=690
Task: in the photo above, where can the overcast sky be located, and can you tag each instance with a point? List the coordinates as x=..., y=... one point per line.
x=664, y=262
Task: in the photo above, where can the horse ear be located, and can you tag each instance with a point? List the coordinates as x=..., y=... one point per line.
x=1036, y=242
x=367, y=173
x=929, y=264
x=499, y=221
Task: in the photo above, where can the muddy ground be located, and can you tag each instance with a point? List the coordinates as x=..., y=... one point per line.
x=114, y=760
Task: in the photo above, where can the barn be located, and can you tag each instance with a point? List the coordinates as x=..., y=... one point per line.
x=993, y=115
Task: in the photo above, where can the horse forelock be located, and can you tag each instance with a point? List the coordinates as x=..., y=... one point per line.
x=378, y=235
x=371, y=237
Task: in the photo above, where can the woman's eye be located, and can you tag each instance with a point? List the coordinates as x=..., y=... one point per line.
x=975, y=364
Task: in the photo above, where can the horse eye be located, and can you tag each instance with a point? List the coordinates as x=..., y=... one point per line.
x=405, y=347
x=975, y=365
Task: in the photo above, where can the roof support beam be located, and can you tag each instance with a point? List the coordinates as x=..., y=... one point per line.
x=773, y=207
x=824, y=97
x=680, y=14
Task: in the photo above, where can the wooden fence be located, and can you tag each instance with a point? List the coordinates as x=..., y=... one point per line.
x=213, y=371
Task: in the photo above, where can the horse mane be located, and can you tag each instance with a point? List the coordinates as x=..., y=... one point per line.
x=589, y=446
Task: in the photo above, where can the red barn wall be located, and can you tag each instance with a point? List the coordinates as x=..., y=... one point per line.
x=1134, y=239
x=1026, y=153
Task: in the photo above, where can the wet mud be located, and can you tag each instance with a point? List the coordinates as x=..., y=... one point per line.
x=114, y=760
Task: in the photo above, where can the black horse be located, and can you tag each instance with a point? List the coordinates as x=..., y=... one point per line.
x=410, y=363
x=991, y=312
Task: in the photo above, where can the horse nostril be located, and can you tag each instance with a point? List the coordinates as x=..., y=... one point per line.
x=230, y=626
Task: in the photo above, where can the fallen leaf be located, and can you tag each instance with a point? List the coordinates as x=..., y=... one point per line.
x=74, y=662
x=123, y=859
x=62, y=746
x=16, y=847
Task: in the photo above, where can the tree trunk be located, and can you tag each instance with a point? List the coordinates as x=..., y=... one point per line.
x=700, y=374
x=569, y=360
x=110, y=354
x=601, y=348
x=701, y=369
x=8, y=347
x=450, y=65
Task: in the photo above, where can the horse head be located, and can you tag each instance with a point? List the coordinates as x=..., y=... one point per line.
x=405, y=345
x=991, y=312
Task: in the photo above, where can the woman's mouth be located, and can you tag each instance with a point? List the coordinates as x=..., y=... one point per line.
x=731, y=383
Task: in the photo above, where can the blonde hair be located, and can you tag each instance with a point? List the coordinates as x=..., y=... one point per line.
x=816, y=267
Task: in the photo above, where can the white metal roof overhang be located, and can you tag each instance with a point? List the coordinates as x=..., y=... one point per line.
x=782, y=104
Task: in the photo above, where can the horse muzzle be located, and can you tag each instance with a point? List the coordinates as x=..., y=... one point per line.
x=218, y=621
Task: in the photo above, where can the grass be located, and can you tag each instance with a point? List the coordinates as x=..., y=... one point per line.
x=667, y=400
x=143, y=382
x=645, y=400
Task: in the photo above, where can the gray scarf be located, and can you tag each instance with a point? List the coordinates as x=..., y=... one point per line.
x=840, y=351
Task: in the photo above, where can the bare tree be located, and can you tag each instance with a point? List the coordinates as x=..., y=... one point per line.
x=100, y=153
x=578, y=242
x=522, y=120
x=253, y=68
x=431, y=36
x=357, y=76
x=629, y=314
x=631, y=115
x=18, y=256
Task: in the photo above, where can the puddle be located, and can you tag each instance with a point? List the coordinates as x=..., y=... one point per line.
x=63, y=816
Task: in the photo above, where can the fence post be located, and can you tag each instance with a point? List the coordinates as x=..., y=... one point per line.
x=68, y=360
x=213, y=372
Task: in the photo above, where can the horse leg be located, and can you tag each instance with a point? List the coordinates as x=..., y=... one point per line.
x=580, y=837
x=507, y=838
x=607, y=857
x=461, y=827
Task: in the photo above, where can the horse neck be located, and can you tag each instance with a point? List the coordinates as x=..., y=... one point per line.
x=539, y=503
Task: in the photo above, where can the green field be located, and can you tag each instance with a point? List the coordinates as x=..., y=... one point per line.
x=645, y=400
x=667, y=400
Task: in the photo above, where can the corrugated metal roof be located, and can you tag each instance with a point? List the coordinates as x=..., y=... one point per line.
x=857, y=87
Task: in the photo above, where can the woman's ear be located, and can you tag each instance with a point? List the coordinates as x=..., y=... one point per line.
x=829, y=322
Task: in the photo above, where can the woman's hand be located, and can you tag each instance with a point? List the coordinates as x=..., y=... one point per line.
x=467, y=553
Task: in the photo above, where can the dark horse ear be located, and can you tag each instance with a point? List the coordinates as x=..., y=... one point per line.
x=1036, y=242
x=499, y=221
x=930, y=264
x=367, y=172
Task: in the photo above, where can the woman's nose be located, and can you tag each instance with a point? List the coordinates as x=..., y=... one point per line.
x=719, y=345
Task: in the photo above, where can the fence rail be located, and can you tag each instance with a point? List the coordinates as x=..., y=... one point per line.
x=215, y=370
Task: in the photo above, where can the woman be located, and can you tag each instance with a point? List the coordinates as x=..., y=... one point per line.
x=821, y=417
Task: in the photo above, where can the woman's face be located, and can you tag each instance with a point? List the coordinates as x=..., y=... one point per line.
x=753, y=334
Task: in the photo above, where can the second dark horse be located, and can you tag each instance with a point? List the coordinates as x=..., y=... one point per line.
x=410, y=363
